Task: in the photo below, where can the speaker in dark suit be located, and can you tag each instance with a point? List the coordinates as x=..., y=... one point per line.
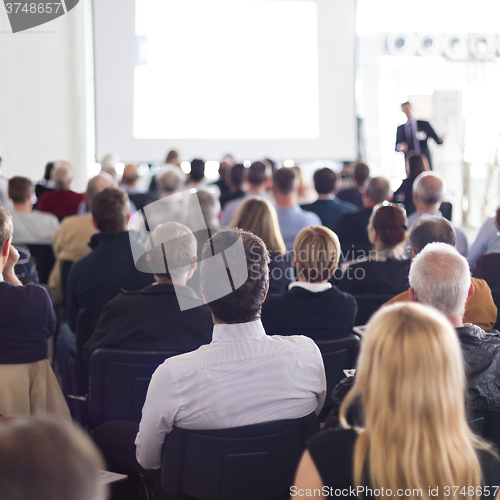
x=412, y=136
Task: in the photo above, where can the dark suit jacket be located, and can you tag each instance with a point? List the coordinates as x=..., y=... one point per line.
x=151, y=319
x=422, y=126
x=351, y=195
x=353, y=234
x=324, y=315
x=102, y=274
x=140, y=200
x=488, y=268
x=330, y=211
x=404, y=195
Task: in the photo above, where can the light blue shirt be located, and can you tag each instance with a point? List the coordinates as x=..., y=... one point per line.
x=487, y=241
x=462, y=243
x=292, y=220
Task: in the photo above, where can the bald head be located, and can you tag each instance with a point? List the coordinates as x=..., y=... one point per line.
x=97, y=184
x=428, y=191
x=130, y=175
x=62, y=175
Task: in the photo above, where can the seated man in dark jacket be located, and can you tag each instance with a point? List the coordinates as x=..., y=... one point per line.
x=165, y=316
x=312, y=306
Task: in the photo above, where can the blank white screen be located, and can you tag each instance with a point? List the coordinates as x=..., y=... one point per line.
x=255, y=78
x=213, y=75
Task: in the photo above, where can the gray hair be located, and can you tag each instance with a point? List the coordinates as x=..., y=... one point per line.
x=48, y=459
x=97, y=184
x=209, y=204
x=62, y=174
x=431, y=229
x=174, y=247
x=171, y=180
x=378, y=190
x=6, y=227
x=441, y=278
x=429, y=188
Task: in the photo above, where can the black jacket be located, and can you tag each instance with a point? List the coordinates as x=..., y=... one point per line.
x=426, y=129
x=151, y=319
x=100, y=276
x=324, y=315
x=352, y=230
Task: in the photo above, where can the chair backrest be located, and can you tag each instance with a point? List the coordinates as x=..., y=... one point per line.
x=368, y=305
x=118, y=383
x=44, y=259
x=245, y=463
x=338, y=355
x=446, y=208
x=86, y=321
x=66, y=266
x=495, y=293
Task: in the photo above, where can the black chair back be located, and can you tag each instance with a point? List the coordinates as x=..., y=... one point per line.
x=44, y=259
x=66, y=266
x=86, y=322
x=244, y=463
x=446, y=208
x=368, y=305
x=338, y=355
x=495, y=293
x=118, y=383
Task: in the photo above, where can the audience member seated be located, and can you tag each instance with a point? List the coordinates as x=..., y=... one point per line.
x=258, y=216
x=47, y=459
x=354, y=194
x=30, y=226
x=221, y=385
x=173, y=158
x=129, y=185
x=327, y=207
x=28, y=318
x=101, y=275
x=410, y=381
x=312, y=306
x=45, y=183
x=291, y=217
x=487, y=241
x=62, y=201
x=440, y=277
x=385, y=270
x=258, y=177
x=234, y=176
x=415, y=165
x=72, y=239
x=197, y=179
x=151, y=319
x=352, y=228
x=223, y=183
x=480, y=309
x=428, y=193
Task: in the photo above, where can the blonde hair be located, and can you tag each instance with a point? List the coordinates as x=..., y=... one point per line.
x=411, y=381
x=258, y=216
x=316, y=253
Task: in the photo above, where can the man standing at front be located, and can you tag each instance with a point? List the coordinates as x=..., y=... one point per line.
x=244, y=376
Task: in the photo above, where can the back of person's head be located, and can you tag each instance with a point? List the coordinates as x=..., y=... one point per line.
x=197, y=170
x=45, y=458
x=62, y=175
x=250, y=271
x=285, y=181
x=97, y=184
x=236, y=175
x=325, y=180
x=258, y=216
x=20, y=189
x=130, y=175
x=172, y=157
x=6, y=227
x=361, y=173
x=47, y=173
x=258, y=173
x=440, y=277
x=174, y=251
x=417, y=163
x=209, y=204
x=110, y=209
x=411, y=380
x=431, y=229
x=378, y=190
x=429, y=188
x=389, y=222
x=316, y=253
x=170, y=181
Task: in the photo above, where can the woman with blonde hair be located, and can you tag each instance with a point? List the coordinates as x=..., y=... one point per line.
x=415, y=441
x=312, y=306
x=259, y=217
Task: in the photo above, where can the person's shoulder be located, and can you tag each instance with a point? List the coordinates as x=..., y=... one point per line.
x=30, y=291
x=310, y=216
x=44, y=216
x=346, y=206
x=299, y=344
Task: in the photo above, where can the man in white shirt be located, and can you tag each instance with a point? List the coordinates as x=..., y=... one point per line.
x=243, y=376
x=30, y=226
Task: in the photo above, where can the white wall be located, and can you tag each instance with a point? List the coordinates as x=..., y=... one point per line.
x=46, y=95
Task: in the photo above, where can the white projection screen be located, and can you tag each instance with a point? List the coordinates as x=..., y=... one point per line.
x=254, y=78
